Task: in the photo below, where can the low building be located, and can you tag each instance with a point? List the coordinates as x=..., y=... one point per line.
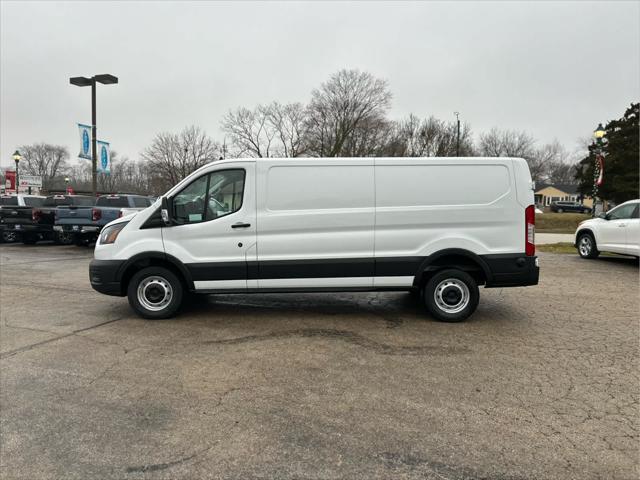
x=546, y=194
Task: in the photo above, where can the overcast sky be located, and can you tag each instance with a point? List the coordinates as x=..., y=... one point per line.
x=554, y=69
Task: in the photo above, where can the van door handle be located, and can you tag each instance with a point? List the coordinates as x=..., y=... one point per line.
x=240, y=225
x=622, y=225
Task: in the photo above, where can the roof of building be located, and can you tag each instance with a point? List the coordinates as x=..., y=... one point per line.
x=563, y=187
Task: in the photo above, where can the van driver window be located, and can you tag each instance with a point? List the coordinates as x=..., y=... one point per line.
x=225, y=193
x=188, y=205
x=209, y=197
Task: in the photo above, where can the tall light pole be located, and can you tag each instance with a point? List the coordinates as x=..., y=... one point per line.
x=457, y=114
x=598, y=166
x=105, y=79
x=16, y=158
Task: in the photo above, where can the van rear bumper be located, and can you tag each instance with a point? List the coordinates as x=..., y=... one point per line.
x=104, y=276
x=512, y=270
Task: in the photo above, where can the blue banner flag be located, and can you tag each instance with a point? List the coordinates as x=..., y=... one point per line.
x=85, y=141
x=104, y=157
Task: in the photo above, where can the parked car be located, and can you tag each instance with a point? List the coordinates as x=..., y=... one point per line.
x=10, y=201
x=328, y=224
x=32, y=224
x=84, y=223
x=617, y=231
x=573, y=207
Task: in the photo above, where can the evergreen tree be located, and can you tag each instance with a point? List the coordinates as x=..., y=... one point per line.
x=621, y=164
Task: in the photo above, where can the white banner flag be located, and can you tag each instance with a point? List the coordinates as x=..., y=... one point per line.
x=104, y=157
x=85, y=141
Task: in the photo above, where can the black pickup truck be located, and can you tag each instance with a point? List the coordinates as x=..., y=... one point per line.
x=32, y=224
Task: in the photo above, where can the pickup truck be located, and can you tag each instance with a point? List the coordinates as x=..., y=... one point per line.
x=84, y=223
x=20, y=200
x=36, y=223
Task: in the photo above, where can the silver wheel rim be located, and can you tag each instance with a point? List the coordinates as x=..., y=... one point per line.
x=585, y=246
x=452, y=295
x=9, y=237
x=155, y=293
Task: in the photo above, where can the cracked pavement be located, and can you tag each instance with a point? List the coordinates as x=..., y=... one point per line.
x=541, y=383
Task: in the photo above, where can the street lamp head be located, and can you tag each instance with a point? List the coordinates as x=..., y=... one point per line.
x=599, y=132
x=66, y=179
x=16, y=156
x=106, y=79
x=80, y=81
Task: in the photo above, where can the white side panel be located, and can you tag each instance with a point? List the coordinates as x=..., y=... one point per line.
x=220, y=285
x=342, y=282
x=393, y=281
x=315, y=209
x=423, y=206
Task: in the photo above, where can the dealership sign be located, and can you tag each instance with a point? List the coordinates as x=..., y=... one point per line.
x=85, y=141
x=104, y=157
x=30, y=181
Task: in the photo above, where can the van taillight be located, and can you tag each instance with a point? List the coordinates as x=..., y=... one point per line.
x=96, y=214
x=36, y=215
x=530, y=231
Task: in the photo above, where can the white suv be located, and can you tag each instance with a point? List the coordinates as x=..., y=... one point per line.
x=616, y=231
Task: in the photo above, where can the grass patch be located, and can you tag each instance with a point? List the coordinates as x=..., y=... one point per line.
x=559, y=222
x=557, y=248
x=565, y=247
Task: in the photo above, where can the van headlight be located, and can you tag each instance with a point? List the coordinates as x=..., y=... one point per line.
x=110, y=234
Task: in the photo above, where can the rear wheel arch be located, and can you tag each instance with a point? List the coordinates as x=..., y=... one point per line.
x=453, y=258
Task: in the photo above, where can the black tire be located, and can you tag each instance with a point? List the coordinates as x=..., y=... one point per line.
x=164, y=286
x=457, y=292
x=587, y=247
x=9, y=236
x=29, y=238
x=63, y=238
x=80, y=241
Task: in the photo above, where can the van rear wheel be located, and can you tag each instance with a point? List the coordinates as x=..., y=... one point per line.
x=451, y=295
x=155, y=293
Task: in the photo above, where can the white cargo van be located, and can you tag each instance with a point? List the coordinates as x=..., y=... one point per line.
x=435, y=226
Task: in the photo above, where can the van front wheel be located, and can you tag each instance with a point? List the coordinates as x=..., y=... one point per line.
x=451, y=295
x=155, y=293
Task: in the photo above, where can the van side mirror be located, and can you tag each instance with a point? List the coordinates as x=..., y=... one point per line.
x=165, y=210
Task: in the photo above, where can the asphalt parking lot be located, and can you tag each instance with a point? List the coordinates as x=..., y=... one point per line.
x=542, y=383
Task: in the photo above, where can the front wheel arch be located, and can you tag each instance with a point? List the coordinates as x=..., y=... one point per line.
x=154, y=259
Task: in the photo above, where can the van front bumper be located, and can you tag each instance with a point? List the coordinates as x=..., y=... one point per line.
x=511, y=270
x=104, y=276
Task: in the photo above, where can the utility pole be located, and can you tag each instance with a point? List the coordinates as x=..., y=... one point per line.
x=457, y=114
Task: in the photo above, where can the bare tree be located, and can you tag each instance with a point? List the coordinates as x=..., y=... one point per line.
x=340, y=106
x=288, y=122
x=513, y=143
x=506, y=143
x=171, y=157
x=250, y=131
x=415, y=137
x=554, y=164
x=45, y=160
